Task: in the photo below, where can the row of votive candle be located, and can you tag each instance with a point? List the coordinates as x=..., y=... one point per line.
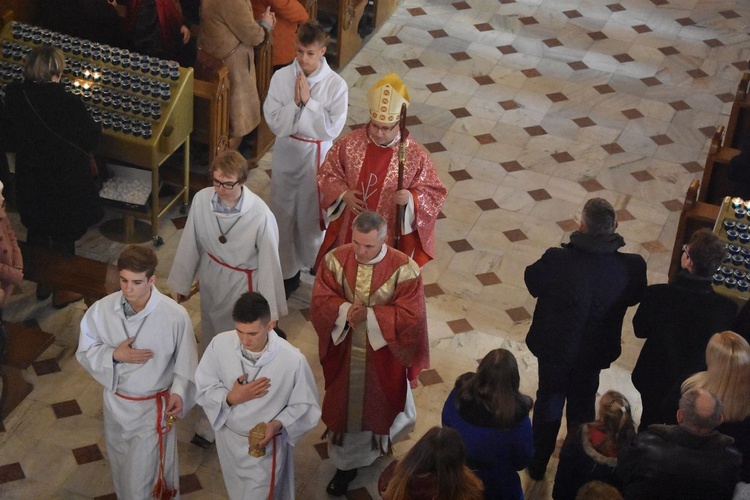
x=740, y=206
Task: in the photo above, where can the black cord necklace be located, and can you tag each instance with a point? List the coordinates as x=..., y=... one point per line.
x=223, y=237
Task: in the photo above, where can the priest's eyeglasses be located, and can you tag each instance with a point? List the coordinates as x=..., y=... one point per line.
x=225, y=185
x=383, y=129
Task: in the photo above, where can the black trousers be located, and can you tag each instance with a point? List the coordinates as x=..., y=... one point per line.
x=575, y=384
x=46, y=240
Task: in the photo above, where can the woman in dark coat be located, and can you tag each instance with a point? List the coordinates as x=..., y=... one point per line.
x=591, y=454
x=53, y=134
x=492, y=417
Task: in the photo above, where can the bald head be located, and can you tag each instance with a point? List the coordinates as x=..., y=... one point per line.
x=700, y=411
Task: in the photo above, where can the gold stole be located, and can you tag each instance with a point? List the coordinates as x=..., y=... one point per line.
x=358, y=356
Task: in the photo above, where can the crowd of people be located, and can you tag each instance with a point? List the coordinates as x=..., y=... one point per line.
x=359, y=214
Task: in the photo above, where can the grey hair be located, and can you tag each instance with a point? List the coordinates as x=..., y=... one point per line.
x=370, y=221
x=696, y=419
x=599, y=217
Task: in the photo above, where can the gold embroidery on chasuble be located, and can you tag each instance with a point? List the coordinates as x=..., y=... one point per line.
x=401, y=275
x=363, y=292
x=358, y=355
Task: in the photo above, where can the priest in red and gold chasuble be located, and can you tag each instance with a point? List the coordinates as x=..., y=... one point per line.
x=365, y=164
x=368, y=366
x=393, y=288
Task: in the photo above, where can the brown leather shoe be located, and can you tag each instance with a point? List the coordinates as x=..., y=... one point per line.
x=62, y=298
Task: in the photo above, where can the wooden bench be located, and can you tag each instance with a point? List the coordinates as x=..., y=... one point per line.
x=345, y=40
x=384, y=9
x=738, y=125
x=211, y=113
x=262, y=138
x=716, y=183
x=25, y=344
x=92, y=278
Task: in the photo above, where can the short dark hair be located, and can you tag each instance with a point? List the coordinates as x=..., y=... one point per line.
x=251, y=307
x=706, y=252
x=695, y=419
x=138, y=259
x=310, y=33
x=368, y=221
x=599, y=217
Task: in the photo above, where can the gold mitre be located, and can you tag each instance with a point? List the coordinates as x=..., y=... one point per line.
x=386, y=97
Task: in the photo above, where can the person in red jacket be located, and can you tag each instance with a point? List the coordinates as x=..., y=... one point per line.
x=289, y=15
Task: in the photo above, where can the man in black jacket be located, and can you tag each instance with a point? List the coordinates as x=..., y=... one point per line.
x=677, y=320
x=583, y=290
x=690, y=460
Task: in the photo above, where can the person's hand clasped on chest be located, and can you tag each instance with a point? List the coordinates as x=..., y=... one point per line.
x=136, y=288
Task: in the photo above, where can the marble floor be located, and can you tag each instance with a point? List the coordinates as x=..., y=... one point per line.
x=529, y=108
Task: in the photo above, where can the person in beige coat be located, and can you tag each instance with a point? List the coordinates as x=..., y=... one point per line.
x=229, y=31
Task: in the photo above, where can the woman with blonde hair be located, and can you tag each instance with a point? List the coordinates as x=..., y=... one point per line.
x=591, y=454
x=492, y=416
x=434, y=469
x=728, y=377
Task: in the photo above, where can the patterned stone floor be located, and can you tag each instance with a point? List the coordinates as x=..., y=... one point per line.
x=529, y=108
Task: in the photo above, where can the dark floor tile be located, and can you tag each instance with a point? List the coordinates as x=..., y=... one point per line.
x=189, y=483
x=430, y=377
x=87, y=454
x=460, y=326
x=46, y=366
x=11, y=472
x=488, y=279
x=66, y=409
x=515, y=235
x=518, y=314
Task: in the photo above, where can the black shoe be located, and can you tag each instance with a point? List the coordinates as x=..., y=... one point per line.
x=340, y=482
x=201, y=442
x=43, y=292
x=535, y=473
x=291, y=284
